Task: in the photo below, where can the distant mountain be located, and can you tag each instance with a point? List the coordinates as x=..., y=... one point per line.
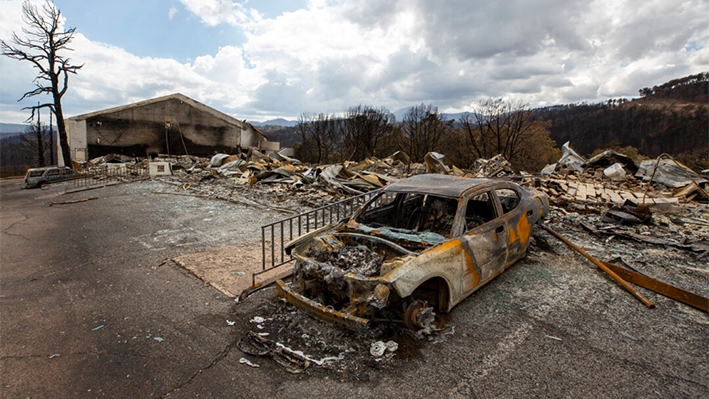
x=670, y=118
x=275, y=122
x=400, y=114
x=12, y=128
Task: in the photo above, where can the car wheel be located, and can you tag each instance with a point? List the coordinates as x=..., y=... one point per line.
x=419, y=315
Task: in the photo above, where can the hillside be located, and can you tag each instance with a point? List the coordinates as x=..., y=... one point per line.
x=671, y=118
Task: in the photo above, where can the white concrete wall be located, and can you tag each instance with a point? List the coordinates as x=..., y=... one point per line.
x=76, y=134
x=270, y=146
x=250, y=137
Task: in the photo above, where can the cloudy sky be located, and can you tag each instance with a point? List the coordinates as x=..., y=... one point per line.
x=259, y=60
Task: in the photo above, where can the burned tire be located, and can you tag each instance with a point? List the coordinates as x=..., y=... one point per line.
x=419, y=316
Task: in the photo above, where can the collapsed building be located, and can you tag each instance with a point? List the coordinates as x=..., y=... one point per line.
x=174, y=124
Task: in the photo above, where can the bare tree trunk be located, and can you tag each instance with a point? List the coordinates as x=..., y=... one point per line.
x=61, y=127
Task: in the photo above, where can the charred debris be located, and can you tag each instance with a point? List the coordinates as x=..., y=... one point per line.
x=640, y=221
x=658, y=202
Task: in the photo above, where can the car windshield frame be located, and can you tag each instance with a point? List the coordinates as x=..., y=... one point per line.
x=449, y=211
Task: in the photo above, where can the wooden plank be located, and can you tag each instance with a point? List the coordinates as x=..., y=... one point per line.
x=592, y=195
x=604, y=195
x=665, y=204
x=572, y=190
x=581, y=193
x=599, y=192
x=674, y=201
x=626, y=195
x=614, y=196
x=595, y=194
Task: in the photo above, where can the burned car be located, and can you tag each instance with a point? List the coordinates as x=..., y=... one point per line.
x=38, y=177
x=420, y=246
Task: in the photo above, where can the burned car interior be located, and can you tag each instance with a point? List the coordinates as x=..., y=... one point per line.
x=412, y=213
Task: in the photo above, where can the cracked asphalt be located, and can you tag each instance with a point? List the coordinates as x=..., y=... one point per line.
x=90, y=307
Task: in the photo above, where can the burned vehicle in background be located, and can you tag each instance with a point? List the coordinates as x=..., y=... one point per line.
x=38, y=177
x=420, y=246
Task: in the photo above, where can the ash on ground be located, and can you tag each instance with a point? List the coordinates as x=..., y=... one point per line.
x=330, y=348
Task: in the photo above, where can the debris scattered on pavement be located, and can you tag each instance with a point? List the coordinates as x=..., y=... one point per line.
x=626, y=335
x=246, y=361
x=378, y=348
x=610, y=205
x=291, y=361
x=326, y=347
x=602, y=266
x=73, y=201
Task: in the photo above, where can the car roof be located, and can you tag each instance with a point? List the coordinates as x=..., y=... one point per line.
x=435, y=184
x=48, y=167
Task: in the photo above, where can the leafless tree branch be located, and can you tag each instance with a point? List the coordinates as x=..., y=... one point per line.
x=42, y=46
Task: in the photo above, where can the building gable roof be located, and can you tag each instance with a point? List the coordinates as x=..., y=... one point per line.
x=176, y=96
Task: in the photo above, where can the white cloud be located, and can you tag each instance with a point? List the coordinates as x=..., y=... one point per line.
x=335, y=54
x=171, y=13
x=215, y=12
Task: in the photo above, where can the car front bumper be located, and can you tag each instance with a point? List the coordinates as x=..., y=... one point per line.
x=321, y=311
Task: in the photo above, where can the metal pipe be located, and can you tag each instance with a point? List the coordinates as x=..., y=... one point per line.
x=282, y=250
x=658, y=286
x=263, y=248
x=603, y=267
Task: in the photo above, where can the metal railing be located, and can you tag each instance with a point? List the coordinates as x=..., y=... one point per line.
x=105, y=175
x=274, y=236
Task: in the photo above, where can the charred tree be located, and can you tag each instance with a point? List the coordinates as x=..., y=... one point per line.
x=42, y=46
x=423, y=130
x=364, y=127
x=320, y=136
x=35, y=143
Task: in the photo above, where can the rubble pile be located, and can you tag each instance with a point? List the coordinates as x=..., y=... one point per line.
x=613, y=179
x=276, y=181
x=671, y=247
x=496, y=166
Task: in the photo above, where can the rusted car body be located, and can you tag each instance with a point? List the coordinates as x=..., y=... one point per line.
x=424, y=243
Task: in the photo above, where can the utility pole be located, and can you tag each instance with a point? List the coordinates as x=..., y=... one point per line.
x=51, y=139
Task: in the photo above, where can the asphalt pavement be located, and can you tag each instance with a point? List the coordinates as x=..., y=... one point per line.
x=91, y=306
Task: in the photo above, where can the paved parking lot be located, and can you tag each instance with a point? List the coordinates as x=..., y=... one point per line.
x=90, y=308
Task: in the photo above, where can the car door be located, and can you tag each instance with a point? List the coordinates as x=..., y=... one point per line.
x=53, y=175
x=517, y=220
x=484, y=239
x=67, y=174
